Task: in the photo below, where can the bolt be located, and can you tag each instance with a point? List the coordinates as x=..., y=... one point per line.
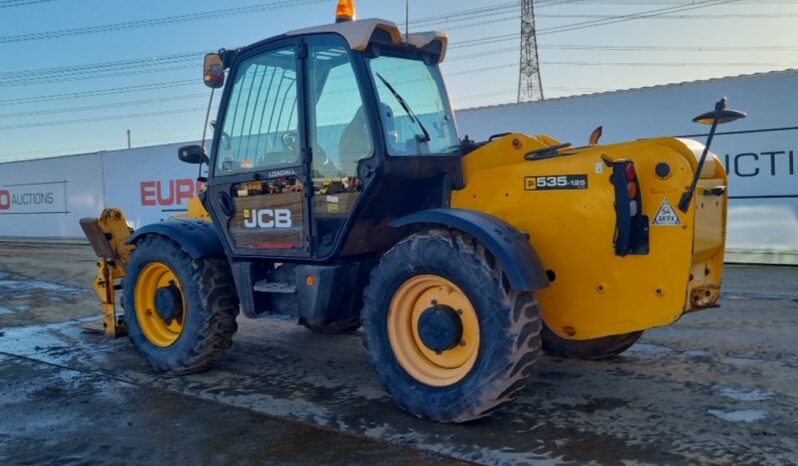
x=462, y=343
x=459, y=312
x=434, y=302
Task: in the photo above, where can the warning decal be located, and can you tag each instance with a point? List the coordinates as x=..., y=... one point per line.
x=666, y=215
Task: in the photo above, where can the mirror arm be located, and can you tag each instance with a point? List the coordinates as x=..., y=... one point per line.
x=687, y=196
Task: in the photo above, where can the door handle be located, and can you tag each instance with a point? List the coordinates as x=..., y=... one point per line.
x=226, y=204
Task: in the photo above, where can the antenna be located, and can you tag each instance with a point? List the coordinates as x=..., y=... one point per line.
x=530, y=86
x=407, y=19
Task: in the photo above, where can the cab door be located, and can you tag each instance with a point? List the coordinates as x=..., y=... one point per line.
x=257, y=192
x=339, y=137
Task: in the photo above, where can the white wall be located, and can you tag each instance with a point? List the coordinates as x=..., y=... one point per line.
x=149, y=184
x=46, y=198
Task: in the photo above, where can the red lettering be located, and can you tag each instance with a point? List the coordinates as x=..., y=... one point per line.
x=5, y=199
x=167, y=193
x=166, y=200
x=185, y=189
x=147, y=193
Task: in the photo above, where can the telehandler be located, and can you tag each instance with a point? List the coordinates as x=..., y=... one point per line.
x=339, y=192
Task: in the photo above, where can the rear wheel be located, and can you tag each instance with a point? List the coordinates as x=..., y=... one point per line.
x=448, y=339
x=180, y=311
x=595, y=349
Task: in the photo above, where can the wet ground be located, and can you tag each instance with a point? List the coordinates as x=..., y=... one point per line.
x=718, y=387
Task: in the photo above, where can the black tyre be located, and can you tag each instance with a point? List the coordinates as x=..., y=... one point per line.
x=448, y=338
x=180, y=312
x=594, y=350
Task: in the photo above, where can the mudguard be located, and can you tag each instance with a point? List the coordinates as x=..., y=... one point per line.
x=510, y=247
x=197, y=237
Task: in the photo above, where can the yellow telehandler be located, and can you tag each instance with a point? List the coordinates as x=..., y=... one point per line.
x=339, y=192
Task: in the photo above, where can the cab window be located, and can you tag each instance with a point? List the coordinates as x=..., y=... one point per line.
x=414, y=107
x=340, y=133
x=260, y=125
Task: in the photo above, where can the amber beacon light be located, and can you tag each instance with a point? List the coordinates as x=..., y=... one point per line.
x=346, y=11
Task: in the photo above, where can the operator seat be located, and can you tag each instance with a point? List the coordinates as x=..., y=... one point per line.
x=355, y=143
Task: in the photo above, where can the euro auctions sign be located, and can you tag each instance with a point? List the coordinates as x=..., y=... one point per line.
x=45, y=197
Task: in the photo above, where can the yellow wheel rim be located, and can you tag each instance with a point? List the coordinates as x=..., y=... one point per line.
x=423, y=364
x=159, y=331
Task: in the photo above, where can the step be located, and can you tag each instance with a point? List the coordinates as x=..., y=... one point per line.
x=265, y=286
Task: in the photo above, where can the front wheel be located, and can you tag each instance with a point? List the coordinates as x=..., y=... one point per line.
x=448, y=340
x=596, y=349
x=180, y=312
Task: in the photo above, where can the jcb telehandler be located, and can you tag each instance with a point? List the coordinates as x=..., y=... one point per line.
x=339, y=192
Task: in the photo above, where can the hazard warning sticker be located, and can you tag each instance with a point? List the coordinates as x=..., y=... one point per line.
x=666, y=215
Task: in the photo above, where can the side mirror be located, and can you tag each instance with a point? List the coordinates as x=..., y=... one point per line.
x=724, y=116
x=213, y=71
x=193, y=154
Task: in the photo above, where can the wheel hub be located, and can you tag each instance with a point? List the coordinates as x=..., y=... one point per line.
x=168, y=303
x=440, y=328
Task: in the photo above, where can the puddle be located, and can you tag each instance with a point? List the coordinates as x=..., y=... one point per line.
x=744, y=394
x=746, y=415
x=20, y=285
x=648, y=348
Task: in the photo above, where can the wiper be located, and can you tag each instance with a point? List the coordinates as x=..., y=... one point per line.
x=407, y=109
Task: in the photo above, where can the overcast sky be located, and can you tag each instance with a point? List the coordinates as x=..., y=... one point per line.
x=90, y=106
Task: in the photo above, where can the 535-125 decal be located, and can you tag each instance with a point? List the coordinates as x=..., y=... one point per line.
x=552, y=182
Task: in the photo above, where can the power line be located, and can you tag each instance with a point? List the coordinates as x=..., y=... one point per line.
x=98, y=92
x=103, y=118
x=12, y=4
x=95, y=67
x=155, y=22
x=33, y=80
x=128, y=103
x=634, y=16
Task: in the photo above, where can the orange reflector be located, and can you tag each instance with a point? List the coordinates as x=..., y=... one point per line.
x=632, y=190
x=346, y=11
x=310, y=280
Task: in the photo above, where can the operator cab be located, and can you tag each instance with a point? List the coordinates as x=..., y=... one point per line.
x=325, y=135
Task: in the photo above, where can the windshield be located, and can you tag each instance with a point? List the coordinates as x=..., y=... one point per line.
x=414, y=107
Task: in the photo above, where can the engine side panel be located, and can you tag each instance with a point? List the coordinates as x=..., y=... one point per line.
x=571, y=220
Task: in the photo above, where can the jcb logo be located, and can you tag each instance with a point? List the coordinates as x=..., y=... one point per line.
x=267, y=218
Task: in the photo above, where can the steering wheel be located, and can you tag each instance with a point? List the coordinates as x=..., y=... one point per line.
x=290, y=141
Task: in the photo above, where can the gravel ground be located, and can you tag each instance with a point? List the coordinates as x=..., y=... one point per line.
x=718, y=387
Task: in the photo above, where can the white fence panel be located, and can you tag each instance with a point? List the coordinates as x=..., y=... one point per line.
x=150, y=184
x=46, y=198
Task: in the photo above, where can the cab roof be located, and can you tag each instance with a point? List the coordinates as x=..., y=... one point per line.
x=359, y=34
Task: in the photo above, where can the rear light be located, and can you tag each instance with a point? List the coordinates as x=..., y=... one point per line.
x=631, y=173
x=631, y=231
x=632, y=187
